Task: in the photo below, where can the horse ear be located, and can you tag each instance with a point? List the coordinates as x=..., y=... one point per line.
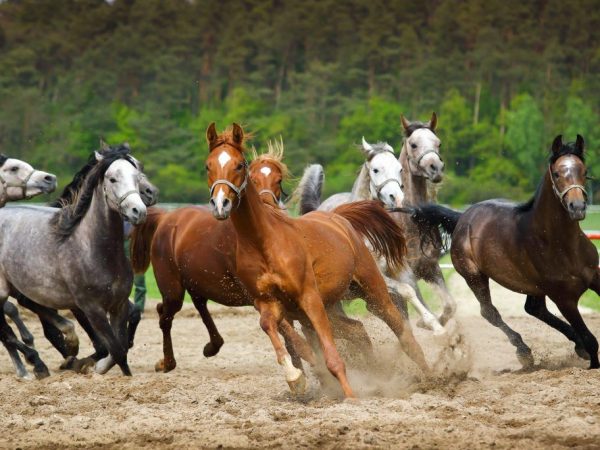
x=103, y=145
x=557, y=144
x=237, y=134
x=405, y=123
x=211, y=134
x=366, y=147
x=579, y=143
x=98, y=156
x=126, y=145
x=433, y=121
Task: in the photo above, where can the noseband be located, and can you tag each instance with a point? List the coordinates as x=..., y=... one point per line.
x=561, y=194
x=379, y=187
x=238, y=190
x=417, y=161
x=22, y=185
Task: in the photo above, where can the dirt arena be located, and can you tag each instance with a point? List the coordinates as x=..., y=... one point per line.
x=239, y=399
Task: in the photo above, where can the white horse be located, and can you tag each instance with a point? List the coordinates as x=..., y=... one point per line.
x=380, y=178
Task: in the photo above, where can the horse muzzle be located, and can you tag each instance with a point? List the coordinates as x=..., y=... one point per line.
x=220, y=207
x=45, y=182
x=577, y=210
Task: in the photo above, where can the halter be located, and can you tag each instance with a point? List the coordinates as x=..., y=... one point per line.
x=22, y=185
x=125, y=195
x=561, y=194
x=420, y=158
x=238, y=190
x=379, y=187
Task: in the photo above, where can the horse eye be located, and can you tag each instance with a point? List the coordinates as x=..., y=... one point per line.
x=240, y=166
x=14, y=169
x=413, y=145
x=375, y=170
x=206, y=167
x=113, y=180
x=555, y=174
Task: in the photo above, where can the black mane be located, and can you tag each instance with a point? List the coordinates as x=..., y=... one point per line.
x=77, y=196
x=3, y=159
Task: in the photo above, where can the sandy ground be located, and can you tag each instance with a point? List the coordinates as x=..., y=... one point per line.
x=239, y=398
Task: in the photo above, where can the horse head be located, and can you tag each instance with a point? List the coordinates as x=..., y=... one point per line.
x=423, y=149
x=226, y=169
x=267, y=172
x=384, y=173
x=568, y=174
x=19, y=180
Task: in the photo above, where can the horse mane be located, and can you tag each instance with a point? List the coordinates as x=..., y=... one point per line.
x=274, y=155
x=3, y=159
x=566, y=149
x=416, y=125
x=77, y=197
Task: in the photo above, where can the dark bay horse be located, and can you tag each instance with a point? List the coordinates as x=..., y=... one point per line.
x=536, y=248
x=192, y=251
x=298, y=267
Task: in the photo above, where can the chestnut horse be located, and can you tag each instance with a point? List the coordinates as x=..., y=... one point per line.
x=536, y=248
x=298, y=267
x=191, y=251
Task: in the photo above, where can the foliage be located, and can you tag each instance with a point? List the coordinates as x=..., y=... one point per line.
x=504, y=76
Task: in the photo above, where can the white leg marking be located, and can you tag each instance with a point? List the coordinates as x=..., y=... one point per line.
x=291, y=373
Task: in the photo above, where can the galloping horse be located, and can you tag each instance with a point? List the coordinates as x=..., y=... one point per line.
x=74, y=257
x=380, y=178
x=422, y=164
x=298, y=267
x=19, y=181
x=60, y=331
x=191, y=251
x=536, y=248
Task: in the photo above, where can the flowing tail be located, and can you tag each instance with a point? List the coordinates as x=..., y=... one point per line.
x=308, y=192
x=430, y=218
x=141, y=240
x=373, y=222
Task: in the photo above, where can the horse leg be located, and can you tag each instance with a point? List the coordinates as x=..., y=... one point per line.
x=479, y=284
x=167, y=309
x=297, y=347
x=12, y=344
x=536, y=306
x=216, y=340
x=438, y=284
x=133, y=320
x=115, y=342
x=570, y=312
x=406, y=291
x=13, y=313
x=120, y=321
x=270, y=316
x=352, y=330
x=58, y=330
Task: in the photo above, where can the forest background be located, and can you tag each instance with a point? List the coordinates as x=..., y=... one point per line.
x=504, y=76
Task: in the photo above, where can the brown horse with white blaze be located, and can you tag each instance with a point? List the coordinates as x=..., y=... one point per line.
x=191, y=251
x=298, y=267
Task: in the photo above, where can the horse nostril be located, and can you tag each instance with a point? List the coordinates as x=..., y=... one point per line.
x=135, y=211
x=392, y=197
x=49, y=178
x=225, y=202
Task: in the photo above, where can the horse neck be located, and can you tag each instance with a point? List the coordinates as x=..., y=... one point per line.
x=102, y=225
x=360, y=189
x=251, y=219
x=415, y=187
x=548, y=214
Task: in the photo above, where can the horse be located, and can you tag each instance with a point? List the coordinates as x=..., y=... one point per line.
x=19, y=181
x=297, y=267
x=536, y=248
x=73, y=257
x=380, y=178
x=59, y=331
x=192, y=251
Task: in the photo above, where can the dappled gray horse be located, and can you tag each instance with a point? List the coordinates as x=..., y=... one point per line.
x=73, y=257
x=380, y=178
x=423, y=165
x=58, y=330
x=19, y=181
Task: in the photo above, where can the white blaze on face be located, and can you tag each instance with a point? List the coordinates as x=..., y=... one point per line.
x=291, y=372
x=265, y=171
x=219, y=200
x=223, y=158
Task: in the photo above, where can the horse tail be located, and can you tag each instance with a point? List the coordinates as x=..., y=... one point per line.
x=141, y=240
x=430, y=219
x=308, y=192
x=373, y=222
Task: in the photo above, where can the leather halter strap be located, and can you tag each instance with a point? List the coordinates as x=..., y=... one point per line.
x=418, y=160
x=22, y=185
x=379, y=187
x=561, y=194
x=237, y=189
x=125, y=195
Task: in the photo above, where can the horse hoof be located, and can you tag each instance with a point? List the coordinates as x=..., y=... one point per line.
x=422, y=324
x=41, y=373
x=352, y=400
x=211, y=349
x=68, y=363
x=439, y=331
x=298, y=386
x=160, y=366
x=83, y=365
x=526, y=360
x=582, y=353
